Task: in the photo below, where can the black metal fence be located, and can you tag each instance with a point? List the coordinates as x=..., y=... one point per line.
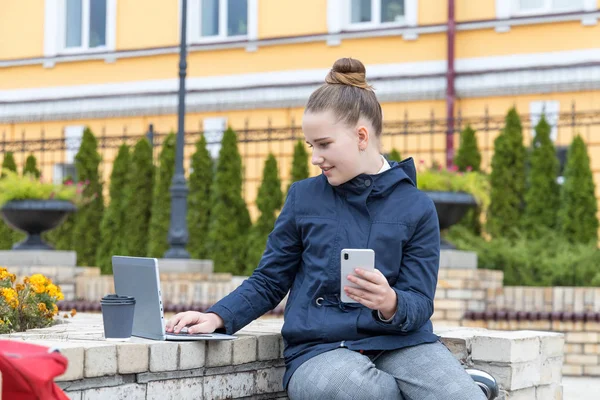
x=423, y=139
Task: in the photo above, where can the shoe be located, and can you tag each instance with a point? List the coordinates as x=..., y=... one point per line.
x=485, y=381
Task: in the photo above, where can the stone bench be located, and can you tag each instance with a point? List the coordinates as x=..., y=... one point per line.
x=527, y=364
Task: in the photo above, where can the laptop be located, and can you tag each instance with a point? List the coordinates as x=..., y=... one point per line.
x=139, y=277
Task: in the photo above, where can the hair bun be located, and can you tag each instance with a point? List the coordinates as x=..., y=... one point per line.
x=348, y=71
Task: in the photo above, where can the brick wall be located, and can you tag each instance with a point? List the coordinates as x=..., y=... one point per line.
x=460, y=292
x=525, y=364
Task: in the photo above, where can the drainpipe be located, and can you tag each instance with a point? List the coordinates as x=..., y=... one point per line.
x=450, y=93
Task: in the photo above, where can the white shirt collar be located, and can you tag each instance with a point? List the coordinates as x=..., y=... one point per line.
x=385, y=166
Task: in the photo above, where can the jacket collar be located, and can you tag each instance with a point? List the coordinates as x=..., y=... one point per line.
x=380, y=184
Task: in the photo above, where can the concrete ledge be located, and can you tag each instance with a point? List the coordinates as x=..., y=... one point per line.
x=527, y=364
x=458, y=259
x=37, y=258
x=169, y=265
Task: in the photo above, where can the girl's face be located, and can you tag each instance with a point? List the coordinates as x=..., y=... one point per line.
x=336, y=147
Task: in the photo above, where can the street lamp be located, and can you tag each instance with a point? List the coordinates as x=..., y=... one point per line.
x=178, y=232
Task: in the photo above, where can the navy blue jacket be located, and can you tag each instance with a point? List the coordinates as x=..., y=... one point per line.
x=383, y=212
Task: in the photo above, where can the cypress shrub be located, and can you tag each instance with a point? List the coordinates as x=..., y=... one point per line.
x=113, y=220
x=269, y=200
x=507, y=179
x=61, y=237
x=86, y=230
x=394, y=156
x=161, y=202
x=230, y=219
x=31, y=167
x=138, y=200
x=8, y=163
x=578, y=208
x=7, y=234
x=199, y=200
x=299, y=163
x=468, y=156
x=542, y=196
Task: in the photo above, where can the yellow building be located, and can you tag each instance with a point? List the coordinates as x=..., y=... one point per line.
x=113, y=65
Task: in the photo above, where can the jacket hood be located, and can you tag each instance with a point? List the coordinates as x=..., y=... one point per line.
x=383, y=183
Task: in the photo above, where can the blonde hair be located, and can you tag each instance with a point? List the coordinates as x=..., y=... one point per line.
x=348, y=95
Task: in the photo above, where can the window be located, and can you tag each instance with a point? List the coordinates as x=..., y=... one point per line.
x=377, y=12
x=78, y=26
x=73, y=135
x=550, y=110
x=84, y=25
x=524, y=7
x=213, y=133
x=213, y=20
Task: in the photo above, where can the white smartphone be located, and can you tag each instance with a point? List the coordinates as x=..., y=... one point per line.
x=349, y=260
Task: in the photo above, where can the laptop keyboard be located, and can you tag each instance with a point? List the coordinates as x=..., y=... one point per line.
x=188, y=334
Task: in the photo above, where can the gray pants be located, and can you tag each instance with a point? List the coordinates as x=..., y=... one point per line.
x=424, y=372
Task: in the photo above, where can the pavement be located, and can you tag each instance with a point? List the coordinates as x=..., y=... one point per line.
x=581, y=388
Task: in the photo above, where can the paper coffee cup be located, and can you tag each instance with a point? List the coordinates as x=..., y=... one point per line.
x=117, y=315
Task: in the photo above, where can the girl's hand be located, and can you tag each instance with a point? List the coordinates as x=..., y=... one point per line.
x=374, y=292
x=196, y=322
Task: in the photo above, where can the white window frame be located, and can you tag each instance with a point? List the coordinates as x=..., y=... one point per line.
x=73, y=137
x=346, y=11
x=547, y=8
x=506, y=9
x=339, y=16
x=55, y=30
x=213, y=129
x=550, y=109
x=194, y=18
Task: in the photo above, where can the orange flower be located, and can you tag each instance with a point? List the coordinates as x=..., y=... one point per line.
x=73, y=312
x=11, y=297
x=52, y=290
x=20, y=287
x=42, y=307
x=38, y=283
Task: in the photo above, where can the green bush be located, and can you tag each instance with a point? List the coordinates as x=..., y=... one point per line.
x=160, y=217
x=113, y=220
x=507, y=179
x=468, y=157
x=138, y=200
x=269, y=200
x=7, y=234
x=542, y=192
x=199, y=201
x=547, y=260
x=31, y=167
x=86, y=230
x=299, y=163
x=16, y=187
x=230, y=219
x=445, y=180
x=394, y=156
x=474, y=183
x=578, y=207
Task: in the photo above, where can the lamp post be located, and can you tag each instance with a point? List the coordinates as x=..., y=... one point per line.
x=178, y=232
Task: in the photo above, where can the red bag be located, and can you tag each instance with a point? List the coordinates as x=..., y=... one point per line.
x=28, y=371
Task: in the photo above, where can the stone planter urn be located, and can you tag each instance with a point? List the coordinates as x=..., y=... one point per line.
x=451, y=207
x=34, y=217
